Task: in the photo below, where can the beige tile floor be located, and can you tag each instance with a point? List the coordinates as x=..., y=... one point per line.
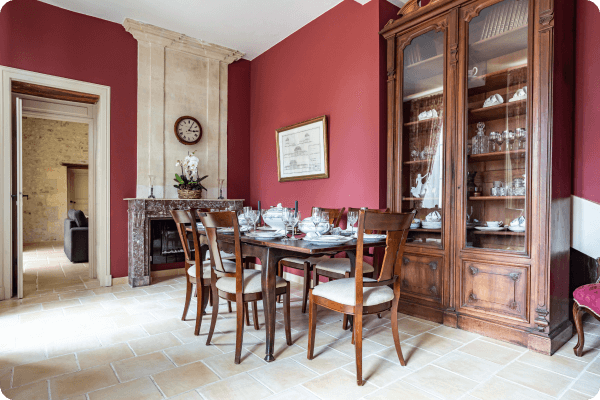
x=70, y=341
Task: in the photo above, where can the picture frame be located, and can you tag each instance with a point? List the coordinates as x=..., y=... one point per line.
x=302, y=150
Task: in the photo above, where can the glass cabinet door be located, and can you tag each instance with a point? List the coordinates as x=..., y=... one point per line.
x=496, y=134
x=423, y=137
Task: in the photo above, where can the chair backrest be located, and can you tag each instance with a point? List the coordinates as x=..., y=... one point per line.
x=335, y=215
x=383, y=211
x=181, y=218
x=223, y=219
x=397, y=226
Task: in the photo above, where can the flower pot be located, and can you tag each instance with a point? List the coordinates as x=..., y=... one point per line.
x=189, y=194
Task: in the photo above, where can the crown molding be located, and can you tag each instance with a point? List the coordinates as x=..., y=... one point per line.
x=177, y=41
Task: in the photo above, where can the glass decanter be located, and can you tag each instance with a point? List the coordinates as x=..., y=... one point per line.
x=481, y=143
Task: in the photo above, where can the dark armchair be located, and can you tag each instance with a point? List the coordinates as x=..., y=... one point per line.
x=76, y=236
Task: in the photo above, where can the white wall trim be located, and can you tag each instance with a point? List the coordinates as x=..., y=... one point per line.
x=585, y=231
x=99, y=212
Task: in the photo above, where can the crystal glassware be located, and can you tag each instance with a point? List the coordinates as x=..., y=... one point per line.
x=499, y=140
x=325, y=218
x=352, y=218
x=511, y=139
x=247, y=211
x=521, y=135
x=316, y=218
x=286, y=217
x=493, y=137
x=255, y=216
x=295, y=218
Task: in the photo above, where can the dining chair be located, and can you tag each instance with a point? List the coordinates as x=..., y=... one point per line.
x=360, y=296
x=586, y=300
x=338, y=268
x=224, y=255
x=306, y=264
x=241, y=285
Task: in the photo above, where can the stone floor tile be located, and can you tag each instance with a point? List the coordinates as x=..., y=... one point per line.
x=114, y=336
x=338, y=384
x=414, y=326
x=441, y=383
x=501, y=389
x=433, y=343
x=383, y=335
x=137, y=367
x=16, y=357
x=556, y=363
x=71, y=345
x=225, y=367
x=400, y=390
x=415, y=357
x=34, y=391
x=574, y=395
x=162, y=326
x=491, y=352
x=295, y=393
x=282, y=375
x=455, y=334
x=535, y=378
x=379, y=371
x=104, y=355
x=325, y=359
x=182, y=379
x=44, y=369
x=587, y=383
x=191, y=352
x=239, y=387
x=139, y=389
x=471, y=367
x=77, y=383
x=154, y=343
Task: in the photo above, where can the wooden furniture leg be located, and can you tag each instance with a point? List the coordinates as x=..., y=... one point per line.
x=286, y=316
x=312, y=327
x=395, y=330
x=247, y=314
x=188, y=298
x=255, y=315
x=239, y=332
x=577, y=316
x=215, y=312
x=306, y=286
x=358, y=344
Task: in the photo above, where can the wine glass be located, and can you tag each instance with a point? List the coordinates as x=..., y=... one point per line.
x=493, y=136
x=316, y=219
x=325, y=219
x=263, y=212
x=511, y=140
x=254, y=215
x=295, y=218
x=248, y=216
x=352, y=218
x=500, y=140
x=521, y=137
x=285, y=218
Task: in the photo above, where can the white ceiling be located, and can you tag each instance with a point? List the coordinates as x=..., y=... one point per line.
x=250, y=26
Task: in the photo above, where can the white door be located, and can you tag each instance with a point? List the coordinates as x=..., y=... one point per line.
x=17, y=126
x=77, y=189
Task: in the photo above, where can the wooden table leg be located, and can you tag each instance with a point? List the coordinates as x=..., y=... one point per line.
x=269, y=269
x=352, y=256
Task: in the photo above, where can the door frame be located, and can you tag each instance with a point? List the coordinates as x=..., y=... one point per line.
x=99, y=161
x=68, y=111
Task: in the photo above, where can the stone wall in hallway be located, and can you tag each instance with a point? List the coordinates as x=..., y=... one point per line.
x=47, y=144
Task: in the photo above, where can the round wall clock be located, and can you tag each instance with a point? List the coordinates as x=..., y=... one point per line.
x=188, y=130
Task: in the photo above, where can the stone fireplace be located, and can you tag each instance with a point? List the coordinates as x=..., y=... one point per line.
x=142, y=215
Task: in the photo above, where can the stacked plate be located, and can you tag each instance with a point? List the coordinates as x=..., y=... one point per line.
x=265, y=234
x=330, y=239
x=431, y=225
x=372, y=236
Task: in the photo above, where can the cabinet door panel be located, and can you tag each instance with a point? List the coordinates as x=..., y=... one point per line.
x=421, y=277
x=498, y=289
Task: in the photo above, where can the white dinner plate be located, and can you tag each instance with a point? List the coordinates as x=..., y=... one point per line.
x=516, y=228
x=265, y=235
x=490, y=228
x=328, y=239
x=372, y=236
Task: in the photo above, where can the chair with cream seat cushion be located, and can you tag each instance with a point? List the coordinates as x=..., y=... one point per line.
x=342, y=291
x=358, y=295
x=307, y=264
x=241, y=286
x=224, y=256
x=227, y=264
x=340, y=266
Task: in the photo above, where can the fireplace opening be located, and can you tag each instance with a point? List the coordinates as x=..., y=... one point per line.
x=165, y=244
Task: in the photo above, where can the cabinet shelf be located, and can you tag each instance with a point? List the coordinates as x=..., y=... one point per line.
x=425, y=122
x=494, y=80
x=499, y=45
x=499, y=233
x=426, y=230
x=495, y=198
x=419, y=198
x=497, y=155
x=416, y=162
x=499, y=111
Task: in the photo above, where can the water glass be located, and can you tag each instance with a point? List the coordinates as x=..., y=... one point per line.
x=255, y=214
x=316, y=218
x=295, y=218
x=352, y=218
x=247, y=216
x=286, y=218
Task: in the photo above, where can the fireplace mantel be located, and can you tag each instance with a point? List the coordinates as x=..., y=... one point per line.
x=140, y=212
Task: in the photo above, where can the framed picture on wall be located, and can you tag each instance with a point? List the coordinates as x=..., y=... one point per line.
x=302, y=151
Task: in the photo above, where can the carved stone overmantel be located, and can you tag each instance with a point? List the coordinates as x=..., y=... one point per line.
x=179, y=76
x=140, y=213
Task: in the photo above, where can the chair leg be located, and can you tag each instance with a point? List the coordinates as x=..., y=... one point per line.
x=200, y=306
x=286, y=316
x=358, y=346
x=215, y=313
x=395, y=330
x=306, y=286
x=247, y=314
x=210, y=298
x=577, y=316
x=239, y=331
x=312, y=326
x=229, y=306
x=188, y=298
x=279, y=273
x=345, y=322
x=315, y=278
x=255, y=315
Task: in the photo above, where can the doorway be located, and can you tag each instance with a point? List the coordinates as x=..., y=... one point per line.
x=97, y=105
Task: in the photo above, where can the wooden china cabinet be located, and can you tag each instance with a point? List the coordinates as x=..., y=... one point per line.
x=480, y=118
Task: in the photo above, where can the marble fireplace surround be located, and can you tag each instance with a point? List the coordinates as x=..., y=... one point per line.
x=179, y=76
x=140, y=213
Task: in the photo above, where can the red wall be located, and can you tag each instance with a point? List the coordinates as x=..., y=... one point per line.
x=42, y=38
x=586, y=172
x=329, y=67
x=238, y=130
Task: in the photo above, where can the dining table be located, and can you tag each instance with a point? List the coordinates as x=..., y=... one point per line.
x=270, y=252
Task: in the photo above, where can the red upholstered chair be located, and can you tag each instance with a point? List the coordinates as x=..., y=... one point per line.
x=587, y=299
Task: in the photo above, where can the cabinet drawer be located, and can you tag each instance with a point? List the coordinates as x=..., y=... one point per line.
x=498, y=289
x=421, y=277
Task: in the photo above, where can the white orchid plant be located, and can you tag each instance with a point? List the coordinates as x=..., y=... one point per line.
x=189, y=178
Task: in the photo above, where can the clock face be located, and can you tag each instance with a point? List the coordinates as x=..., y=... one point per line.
x=188, y=130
